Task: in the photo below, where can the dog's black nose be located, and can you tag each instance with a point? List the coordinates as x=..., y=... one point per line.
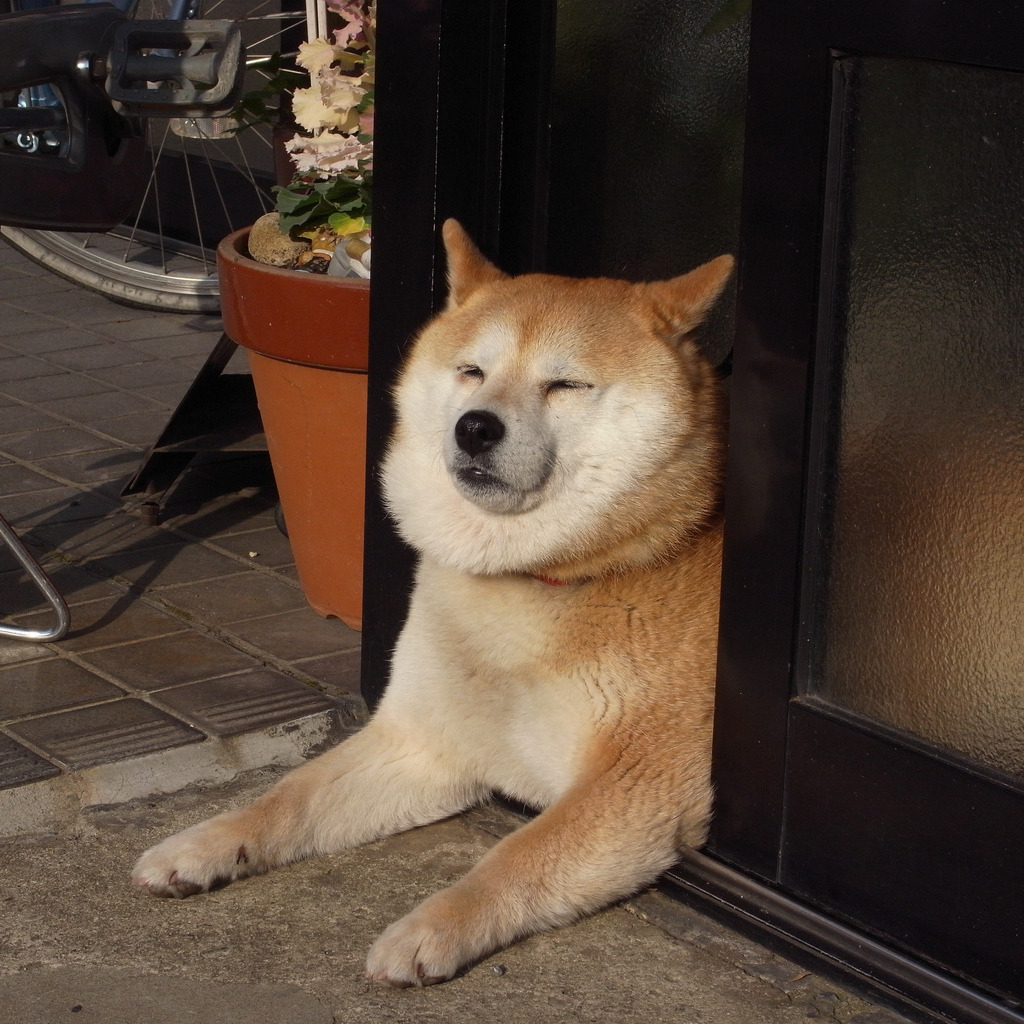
x=478, y=431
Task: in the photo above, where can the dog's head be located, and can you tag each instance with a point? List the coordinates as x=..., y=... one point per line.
x=556, y=424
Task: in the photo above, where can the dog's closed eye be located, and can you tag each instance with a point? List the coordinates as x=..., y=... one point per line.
x=566, y=385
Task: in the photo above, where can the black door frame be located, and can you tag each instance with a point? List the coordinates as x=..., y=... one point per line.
x=461, y=132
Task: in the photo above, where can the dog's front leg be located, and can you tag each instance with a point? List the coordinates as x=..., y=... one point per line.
x=385, y=779
x=593, y=846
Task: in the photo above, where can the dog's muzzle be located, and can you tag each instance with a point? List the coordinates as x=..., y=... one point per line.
x=500, y=464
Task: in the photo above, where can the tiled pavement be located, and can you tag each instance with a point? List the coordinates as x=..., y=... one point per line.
x=183, y=633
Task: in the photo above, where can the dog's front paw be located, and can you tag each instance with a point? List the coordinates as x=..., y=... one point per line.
x=193, y=861
x=425, y=947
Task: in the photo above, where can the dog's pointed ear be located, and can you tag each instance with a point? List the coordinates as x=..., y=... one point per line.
x=682, y=303
x=468, y=268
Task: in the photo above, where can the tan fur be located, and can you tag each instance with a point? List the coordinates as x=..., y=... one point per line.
x=590, y=700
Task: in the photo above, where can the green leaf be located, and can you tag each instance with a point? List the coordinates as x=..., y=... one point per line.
x=343, y=224
x=305, y=203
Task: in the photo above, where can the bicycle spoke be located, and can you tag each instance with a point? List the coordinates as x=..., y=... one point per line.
x=216, y=185
x=195, y=208
x=264, y=198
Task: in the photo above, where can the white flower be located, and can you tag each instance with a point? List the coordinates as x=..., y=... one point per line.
x=310, y=111
x=330, y=100
x=316, y=55
x=328, y=153
x=341, y=93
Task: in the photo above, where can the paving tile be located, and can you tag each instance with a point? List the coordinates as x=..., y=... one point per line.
x=19, y=765
x=101, y=406
x=140, y=429
x=300, y=633
x=141, y=374
x=239, y=362
x=114, y=488
x=38, y=687
x=14, y=262
x=89, y=386
x=15, y=479
x=135, y=328
x=105, y=353
x=167, y=396
x=58, y=505
x=40, y=287
x=178, y=345
x=233, y=598
x=93, y=467
x=58, y=440
x=266, y=547
x=17, y=260
x=192, y=363
x=11, y=262
x=9, y=563
x=16, y=324
x=63, y=384
x=337, y=674
x=15, y=419
x=237, y=514
x=20, y=596
x=165, y=566
x=14, y=651
x=57, y=336
x=170, y=660
x=22, y=367
x=243, y=702
x=205, y=323
x=90, y=308
x=104, y=733
x=288, y=572
x=100, y=535
x=110, y=621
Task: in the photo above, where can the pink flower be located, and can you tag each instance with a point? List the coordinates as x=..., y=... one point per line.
x=357, y=20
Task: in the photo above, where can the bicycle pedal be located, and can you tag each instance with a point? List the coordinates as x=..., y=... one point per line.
x=176, y=68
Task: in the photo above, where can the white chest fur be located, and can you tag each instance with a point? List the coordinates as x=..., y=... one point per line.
x=481, y=662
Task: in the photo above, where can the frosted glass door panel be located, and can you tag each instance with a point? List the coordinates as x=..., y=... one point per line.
x=919, y=616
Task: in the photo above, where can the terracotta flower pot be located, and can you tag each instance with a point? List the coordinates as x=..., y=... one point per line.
x=307, y=338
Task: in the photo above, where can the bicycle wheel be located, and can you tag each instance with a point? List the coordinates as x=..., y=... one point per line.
x=206, y=180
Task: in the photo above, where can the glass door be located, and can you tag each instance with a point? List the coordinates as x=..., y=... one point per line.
x=870, y=735
x=916, y=519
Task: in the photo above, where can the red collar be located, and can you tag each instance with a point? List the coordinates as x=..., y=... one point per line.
x=551, y=582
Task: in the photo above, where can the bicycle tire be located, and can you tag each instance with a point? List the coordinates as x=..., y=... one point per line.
x=142, y=268
x=69, y=256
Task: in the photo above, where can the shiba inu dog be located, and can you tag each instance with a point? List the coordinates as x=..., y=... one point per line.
x=557, y=463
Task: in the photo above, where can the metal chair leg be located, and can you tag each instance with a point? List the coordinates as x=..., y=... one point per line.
x=46, y=588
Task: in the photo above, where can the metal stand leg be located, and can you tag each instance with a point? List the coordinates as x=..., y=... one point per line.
x=217, y=414
x=46, y=588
